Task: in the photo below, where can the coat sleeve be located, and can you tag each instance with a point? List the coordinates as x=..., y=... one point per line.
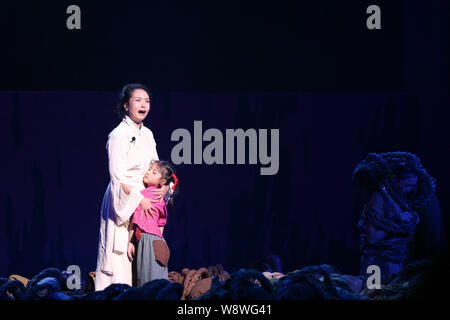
x=124, y=204
x=153, y=144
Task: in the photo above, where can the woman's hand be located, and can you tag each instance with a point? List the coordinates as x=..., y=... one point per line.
x=130, y=251
x=161, y=193
x=147, y=207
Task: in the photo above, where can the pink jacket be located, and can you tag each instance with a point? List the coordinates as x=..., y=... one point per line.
x=152, y=224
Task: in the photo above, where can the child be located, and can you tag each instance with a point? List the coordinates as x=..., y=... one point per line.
x=146, y=242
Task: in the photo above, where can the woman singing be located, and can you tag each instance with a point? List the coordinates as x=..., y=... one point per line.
x=131, y=147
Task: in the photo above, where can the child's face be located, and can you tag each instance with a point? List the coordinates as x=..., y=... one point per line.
x=153, y=175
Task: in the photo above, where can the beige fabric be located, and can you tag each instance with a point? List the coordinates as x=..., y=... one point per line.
x=199, y=288
x=19, y=278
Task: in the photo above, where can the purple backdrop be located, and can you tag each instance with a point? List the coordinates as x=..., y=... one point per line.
x=55, y=169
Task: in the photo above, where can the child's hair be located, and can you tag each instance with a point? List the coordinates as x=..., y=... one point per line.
x=168, y=173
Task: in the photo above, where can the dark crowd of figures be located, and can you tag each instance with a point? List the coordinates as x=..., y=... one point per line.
x=321, y=282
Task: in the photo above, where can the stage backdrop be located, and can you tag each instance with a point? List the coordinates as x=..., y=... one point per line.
x=54, y=166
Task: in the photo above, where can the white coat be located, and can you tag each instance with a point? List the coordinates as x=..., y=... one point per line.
x=130, y=151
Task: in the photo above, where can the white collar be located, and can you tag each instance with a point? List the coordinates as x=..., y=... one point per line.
x=133, y=125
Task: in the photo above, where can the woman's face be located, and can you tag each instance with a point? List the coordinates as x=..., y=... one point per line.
x=138, y=106
x=405, y=185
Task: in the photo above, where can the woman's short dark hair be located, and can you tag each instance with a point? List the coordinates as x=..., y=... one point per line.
x=125, y=95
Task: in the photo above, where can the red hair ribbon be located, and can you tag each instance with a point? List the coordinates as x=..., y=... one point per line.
x=175, y=180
